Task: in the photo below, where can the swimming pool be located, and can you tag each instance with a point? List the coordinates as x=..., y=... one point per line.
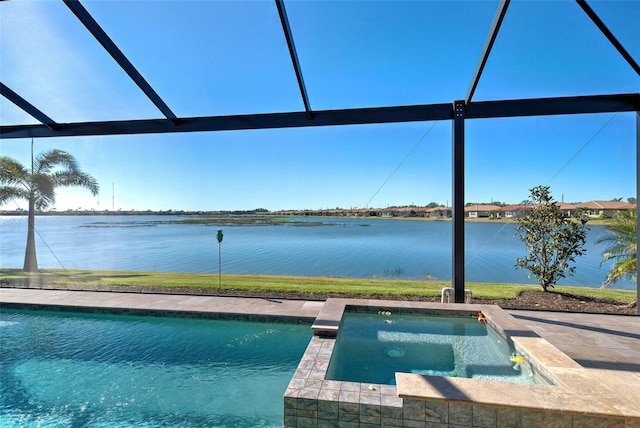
x=372, y=347
x=61, y=369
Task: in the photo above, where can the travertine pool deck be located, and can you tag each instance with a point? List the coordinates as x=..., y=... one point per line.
x=293, y=309
x=607, y=347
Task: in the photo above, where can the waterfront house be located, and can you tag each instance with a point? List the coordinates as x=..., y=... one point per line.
x=513, y=211
x=437, y=212
x=481, y=211
x=568, y=209
x=603, y=209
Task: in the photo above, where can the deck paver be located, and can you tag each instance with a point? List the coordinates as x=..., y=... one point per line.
x=595, y=341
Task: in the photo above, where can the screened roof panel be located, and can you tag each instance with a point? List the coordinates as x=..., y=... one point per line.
x=593, y=157
x=622, y=19
x=206, y=57
x=10, y=114
x=553, y=49
x=63, y=71
x=214, y=58
x=361, y=54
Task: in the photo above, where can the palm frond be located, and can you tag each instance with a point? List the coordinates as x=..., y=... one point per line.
x=8, y=193
x=44, y=190
x=76, y=178
x=46, y=162
x=621, y=269
x=622, y=247
x=12, y=172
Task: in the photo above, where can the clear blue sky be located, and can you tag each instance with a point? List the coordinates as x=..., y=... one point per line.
x=212, y=57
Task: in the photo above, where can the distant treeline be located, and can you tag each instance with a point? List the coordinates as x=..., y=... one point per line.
x=258, y=211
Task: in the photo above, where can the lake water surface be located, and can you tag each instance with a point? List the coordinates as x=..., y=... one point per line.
x=340, y=247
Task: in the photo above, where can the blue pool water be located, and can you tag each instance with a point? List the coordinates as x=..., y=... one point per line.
x=371, y=348
x=81, y=370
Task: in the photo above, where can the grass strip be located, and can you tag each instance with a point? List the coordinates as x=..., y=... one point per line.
x=263, y=284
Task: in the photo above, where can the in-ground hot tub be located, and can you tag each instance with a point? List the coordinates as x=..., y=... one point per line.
x=371, y=346
x=569, y=399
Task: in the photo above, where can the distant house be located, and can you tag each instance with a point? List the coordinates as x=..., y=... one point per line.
x=604, y=209
x=421, y=211
x=437, y=212
x=567, y=209
x=396, y=212
x=513, y=211
x=481, y=211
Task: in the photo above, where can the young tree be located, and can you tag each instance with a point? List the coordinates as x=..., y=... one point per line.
x=49, y=170
x=622, y=247
x=552, y=240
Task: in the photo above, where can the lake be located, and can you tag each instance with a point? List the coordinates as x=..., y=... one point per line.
x=337, y=247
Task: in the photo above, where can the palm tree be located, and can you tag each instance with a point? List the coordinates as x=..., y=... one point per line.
x=622, y=247
x=49, y=170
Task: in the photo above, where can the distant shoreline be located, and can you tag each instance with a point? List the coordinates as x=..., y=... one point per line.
x=228, y=214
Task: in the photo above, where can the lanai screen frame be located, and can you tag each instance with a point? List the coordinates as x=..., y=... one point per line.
x=457, y=112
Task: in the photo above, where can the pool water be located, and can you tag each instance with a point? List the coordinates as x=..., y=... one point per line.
x=371, y=348
x=87, y=370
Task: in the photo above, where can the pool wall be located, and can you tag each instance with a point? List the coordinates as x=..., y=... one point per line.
x=572, y=400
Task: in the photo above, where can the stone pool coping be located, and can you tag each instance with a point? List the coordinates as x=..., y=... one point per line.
x=580, y=397
x=170, y=305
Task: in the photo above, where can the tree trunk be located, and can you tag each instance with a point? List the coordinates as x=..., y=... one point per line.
x=30, y=259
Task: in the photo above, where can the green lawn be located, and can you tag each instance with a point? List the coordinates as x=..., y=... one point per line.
x=263, y=284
